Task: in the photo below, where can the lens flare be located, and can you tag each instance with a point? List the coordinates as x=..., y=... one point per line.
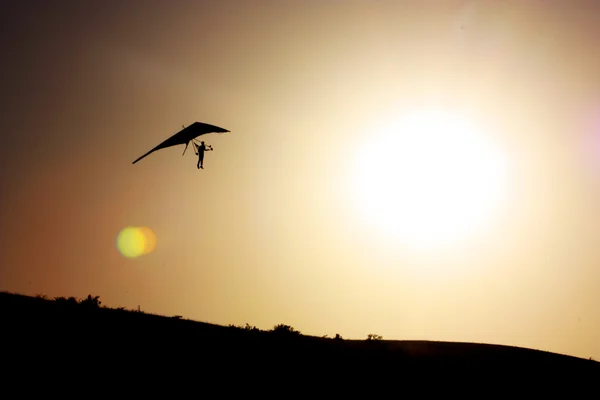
x=135, y=241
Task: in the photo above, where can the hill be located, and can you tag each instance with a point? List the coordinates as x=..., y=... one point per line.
x=72, y=333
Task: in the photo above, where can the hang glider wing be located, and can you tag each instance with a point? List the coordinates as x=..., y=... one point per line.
x=186, y=135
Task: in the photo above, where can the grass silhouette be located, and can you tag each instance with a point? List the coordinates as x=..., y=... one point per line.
x=85, y=333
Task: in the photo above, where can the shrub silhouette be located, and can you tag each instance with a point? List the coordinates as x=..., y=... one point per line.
x=66, y=301
x=91, y=302
x=372, y=336
x=283, y=329
x=248, y=327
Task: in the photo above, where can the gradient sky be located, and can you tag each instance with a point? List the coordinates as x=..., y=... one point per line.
x=269, y=231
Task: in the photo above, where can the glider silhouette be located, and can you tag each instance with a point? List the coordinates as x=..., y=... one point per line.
x=185, y=136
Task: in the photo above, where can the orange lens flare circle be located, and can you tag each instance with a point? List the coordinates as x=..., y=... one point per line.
x=136, y=241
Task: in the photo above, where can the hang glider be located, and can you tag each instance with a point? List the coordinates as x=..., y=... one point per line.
x=185, y=136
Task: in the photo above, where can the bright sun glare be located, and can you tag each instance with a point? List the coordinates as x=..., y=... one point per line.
x=429, y=179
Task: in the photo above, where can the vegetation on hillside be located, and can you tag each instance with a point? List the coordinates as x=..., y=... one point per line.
x=93, y=302
x=22, y=308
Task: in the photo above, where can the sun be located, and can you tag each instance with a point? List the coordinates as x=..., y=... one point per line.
x=429, y=179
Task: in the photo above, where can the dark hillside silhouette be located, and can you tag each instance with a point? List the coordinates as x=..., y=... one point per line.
x=84, y=335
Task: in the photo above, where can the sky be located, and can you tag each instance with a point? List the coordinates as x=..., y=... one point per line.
x=423, y=170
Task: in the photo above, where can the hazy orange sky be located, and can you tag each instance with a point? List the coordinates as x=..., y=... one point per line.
x=277, y=227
